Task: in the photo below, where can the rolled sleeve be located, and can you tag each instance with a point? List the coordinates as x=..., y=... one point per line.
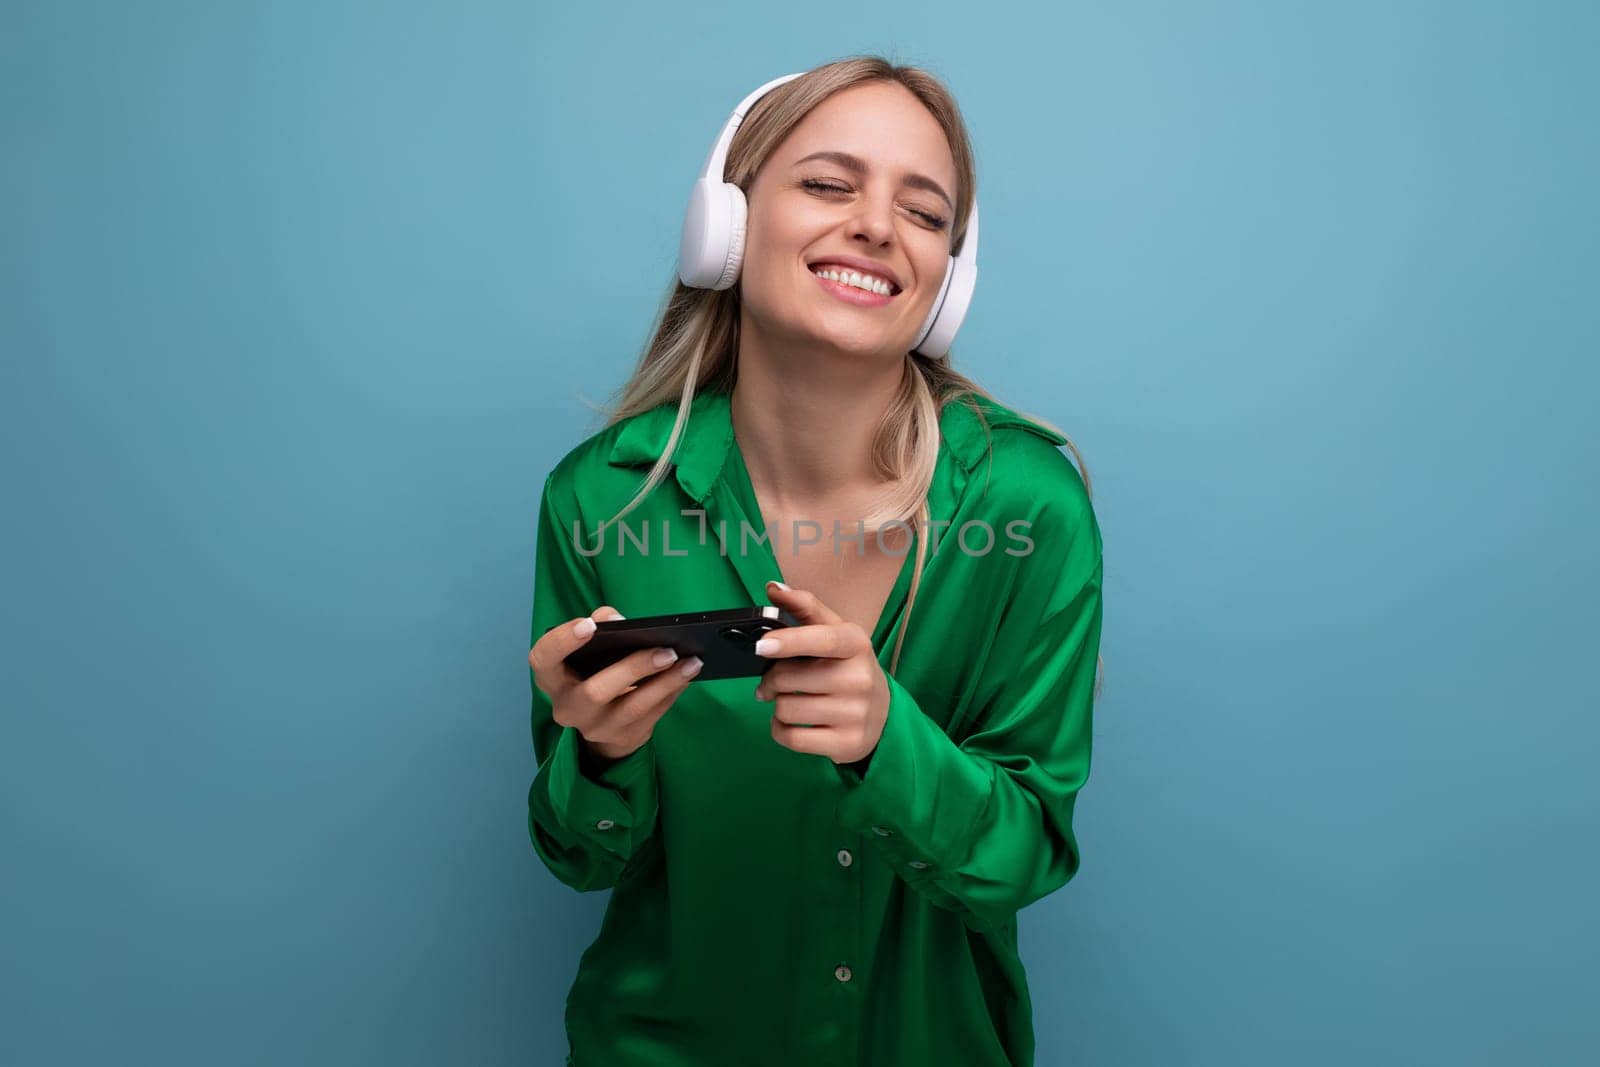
x=585, y=829
x=985, y=826
x=612, y=812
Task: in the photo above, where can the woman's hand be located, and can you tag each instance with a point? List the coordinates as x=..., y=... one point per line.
x=831, y=694
x=615, y=710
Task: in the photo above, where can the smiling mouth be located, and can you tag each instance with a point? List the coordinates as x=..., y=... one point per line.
x=852, y=295
x=893, y=289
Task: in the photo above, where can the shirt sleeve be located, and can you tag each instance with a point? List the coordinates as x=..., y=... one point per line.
x=585, y=828
x=984, y=827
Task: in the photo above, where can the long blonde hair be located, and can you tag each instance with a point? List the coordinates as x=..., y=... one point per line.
x=694, y=342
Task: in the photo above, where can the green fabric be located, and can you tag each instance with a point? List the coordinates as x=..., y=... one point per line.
x=745, y=875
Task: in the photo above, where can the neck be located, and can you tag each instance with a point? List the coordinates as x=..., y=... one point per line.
x=805, y=419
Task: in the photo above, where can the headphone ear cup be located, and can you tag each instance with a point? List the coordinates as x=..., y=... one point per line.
x=955, y=297
x=711, y=248
x=925, y=343
x=738, y=213
x=703, y=248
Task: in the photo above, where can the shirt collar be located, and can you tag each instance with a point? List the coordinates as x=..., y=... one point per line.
x=708, y=435
x=702, y=449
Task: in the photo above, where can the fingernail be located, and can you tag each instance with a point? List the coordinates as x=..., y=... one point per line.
x=777, y=583
x=614, y=616
x=584, y=627
x=690, y=667
x=664, y=656
x=766, y=646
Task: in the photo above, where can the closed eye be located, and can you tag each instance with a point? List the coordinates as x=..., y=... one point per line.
x=935, y=221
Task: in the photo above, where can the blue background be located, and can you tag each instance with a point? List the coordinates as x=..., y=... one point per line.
x=302, y=300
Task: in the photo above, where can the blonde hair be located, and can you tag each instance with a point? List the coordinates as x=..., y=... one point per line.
x=694, y=342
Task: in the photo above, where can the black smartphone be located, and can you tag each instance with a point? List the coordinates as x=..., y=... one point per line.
x=724, y=640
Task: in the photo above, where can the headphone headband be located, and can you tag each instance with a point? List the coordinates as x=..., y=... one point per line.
x=717, y=161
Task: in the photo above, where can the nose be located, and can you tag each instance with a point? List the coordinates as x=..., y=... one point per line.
x=874, y=223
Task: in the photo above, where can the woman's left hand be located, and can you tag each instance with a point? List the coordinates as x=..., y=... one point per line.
x=831, y=693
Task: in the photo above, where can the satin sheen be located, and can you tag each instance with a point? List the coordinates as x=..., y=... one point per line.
x=772, y=907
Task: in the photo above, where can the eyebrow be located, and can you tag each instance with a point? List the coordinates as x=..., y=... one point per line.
x=855, y=163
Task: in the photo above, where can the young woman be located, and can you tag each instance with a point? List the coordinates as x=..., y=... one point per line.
x=825, y=864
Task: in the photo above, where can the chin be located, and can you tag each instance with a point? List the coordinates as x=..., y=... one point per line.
x=856, y=347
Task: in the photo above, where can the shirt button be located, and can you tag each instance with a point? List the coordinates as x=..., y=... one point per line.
x=842, y=973
x=919, y=865
x=845, y=859
x=881, y=831
x=604, y=824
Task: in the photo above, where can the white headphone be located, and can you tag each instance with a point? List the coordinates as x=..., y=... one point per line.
x=712, y=247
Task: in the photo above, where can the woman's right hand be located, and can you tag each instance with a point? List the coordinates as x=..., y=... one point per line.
x=615, y=710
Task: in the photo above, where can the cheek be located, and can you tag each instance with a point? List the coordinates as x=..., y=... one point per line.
x=769, y=253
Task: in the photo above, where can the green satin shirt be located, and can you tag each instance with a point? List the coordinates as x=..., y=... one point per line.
x=772, y=907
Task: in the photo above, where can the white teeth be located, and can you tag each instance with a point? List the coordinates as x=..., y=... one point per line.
x=857, y=279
